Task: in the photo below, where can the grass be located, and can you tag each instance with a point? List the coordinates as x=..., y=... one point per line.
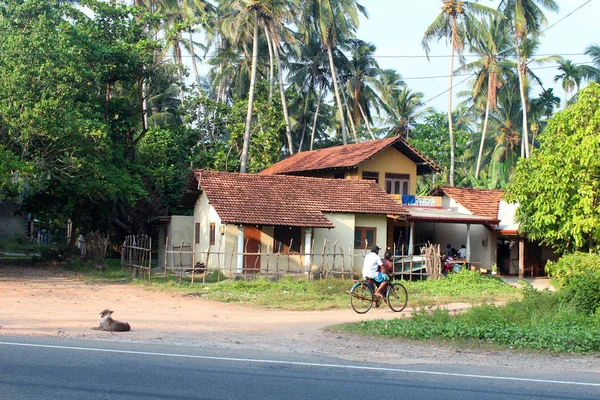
x=538, y=321
x=300, y=294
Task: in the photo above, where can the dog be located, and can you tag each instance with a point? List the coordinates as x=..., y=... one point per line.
x=110, y=325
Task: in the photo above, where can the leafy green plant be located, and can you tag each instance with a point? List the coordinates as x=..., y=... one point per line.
x=573, y=264
x=583, y=291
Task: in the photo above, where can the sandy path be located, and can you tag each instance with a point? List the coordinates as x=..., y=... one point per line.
x=50, y=302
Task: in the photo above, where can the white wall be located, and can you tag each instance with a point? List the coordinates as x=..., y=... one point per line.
x=456, y=235
x=179, y=229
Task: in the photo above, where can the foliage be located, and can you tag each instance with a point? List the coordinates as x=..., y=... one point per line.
x=583, y=291
x=538, y=321
x=557, y=187
x=570, y=265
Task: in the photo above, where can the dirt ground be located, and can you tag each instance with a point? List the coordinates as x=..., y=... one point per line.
x=49, y=302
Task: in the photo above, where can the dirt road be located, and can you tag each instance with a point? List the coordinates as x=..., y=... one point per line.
x=50, y=302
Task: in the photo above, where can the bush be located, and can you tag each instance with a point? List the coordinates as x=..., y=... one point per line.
x=583, y=291
x=573, y=264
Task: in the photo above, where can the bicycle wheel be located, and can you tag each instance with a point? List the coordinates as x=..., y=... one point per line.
x=361, y=297
x=397, y=296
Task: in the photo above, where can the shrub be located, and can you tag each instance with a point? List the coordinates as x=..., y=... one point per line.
x=573, y=264
x=583, y=291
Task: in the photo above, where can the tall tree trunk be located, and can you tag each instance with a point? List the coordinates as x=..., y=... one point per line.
x=304, y=120
x=286, y=117
x=194, y=66
x=314, y=128
x=450, y=131
x=352, y=126
x=179, y=61
x=485, y=123
x=362, y=112
x=271, y=66
x=246, y=145
x=525, y=134
x=337, y=95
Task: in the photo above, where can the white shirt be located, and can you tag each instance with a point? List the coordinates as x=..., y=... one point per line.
x=372, y=262
x=462, y=252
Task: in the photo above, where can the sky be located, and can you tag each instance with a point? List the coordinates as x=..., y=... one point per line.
x=396, y=27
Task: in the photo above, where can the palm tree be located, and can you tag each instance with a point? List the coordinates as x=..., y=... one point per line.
x=489, y=68
x=527, y=20
x=570, y=75
x=310, y=74
x=454, y=23
x=405, y=110
x=363, y=74
x=593, y=72
x=333, y=20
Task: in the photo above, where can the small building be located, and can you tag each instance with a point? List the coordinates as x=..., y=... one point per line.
x=247, y=222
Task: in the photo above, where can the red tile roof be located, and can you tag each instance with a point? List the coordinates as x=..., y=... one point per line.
x=286, y=200
x=349, y=156
x=484, y=203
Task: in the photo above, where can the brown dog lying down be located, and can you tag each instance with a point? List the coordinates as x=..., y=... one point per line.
x=109, y=324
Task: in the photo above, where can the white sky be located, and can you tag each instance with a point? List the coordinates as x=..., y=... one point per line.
x=396, y=27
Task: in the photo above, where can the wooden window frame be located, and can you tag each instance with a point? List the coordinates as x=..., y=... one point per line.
x=363, y=236
x=403, y=179
x=371, y=176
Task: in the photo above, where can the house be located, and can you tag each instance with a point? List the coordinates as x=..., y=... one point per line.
x=491, y=235
x=392, y=163
x=246, y=222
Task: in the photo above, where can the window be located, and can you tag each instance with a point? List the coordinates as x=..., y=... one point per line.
x=364, y=237
x=197, y=234
x=287, y=239
x=212, y=233
x=373, y=176
x=397, y=183
x=165, y=235
x=338, y=175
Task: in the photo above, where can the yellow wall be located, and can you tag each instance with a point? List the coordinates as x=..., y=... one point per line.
x=389, y=161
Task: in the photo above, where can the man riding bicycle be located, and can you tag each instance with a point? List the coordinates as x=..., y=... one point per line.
x=372, y=270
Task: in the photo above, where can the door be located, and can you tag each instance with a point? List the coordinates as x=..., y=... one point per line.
x=252, y=246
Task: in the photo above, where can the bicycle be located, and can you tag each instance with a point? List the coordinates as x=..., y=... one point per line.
x=362, y=296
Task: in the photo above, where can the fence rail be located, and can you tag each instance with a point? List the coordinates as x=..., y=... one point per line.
x=136, y=255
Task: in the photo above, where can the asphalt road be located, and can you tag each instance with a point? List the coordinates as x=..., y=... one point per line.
x=37, y=368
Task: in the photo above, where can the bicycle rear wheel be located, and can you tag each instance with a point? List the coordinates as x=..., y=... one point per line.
x=361, y=297
x=397, y=296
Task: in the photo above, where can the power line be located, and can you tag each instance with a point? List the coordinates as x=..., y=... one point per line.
x=568, y=15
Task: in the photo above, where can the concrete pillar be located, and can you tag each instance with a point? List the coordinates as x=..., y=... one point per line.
x=468, y=242
x=307, y=248
x=411, y=239
x=240, y=249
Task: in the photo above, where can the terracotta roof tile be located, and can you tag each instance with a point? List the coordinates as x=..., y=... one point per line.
x=348, y=156
x=484, y=203
x=288, y=200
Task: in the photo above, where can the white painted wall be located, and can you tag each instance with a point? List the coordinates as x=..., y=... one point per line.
x=179, y=229
x=483, y=249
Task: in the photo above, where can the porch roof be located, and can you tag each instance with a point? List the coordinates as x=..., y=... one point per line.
x=478, y=201
x=447, y=216
x=283, y=200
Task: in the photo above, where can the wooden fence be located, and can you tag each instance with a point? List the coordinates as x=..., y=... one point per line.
x=93, y=246
x=136, y=255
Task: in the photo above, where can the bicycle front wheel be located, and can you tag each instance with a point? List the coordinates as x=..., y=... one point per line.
x=361, y=297
x=397, y=296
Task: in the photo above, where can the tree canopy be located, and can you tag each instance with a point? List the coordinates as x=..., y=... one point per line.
x=558, y=188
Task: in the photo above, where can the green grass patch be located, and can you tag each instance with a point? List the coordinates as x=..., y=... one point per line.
x=538, y=321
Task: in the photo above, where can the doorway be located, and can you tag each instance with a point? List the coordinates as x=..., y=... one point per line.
x=252, y=247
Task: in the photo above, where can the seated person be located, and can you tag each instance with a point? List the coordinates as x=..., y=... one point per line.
x=462, y=252
x=371, y=270
x=448, y=251
x=388, y=266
